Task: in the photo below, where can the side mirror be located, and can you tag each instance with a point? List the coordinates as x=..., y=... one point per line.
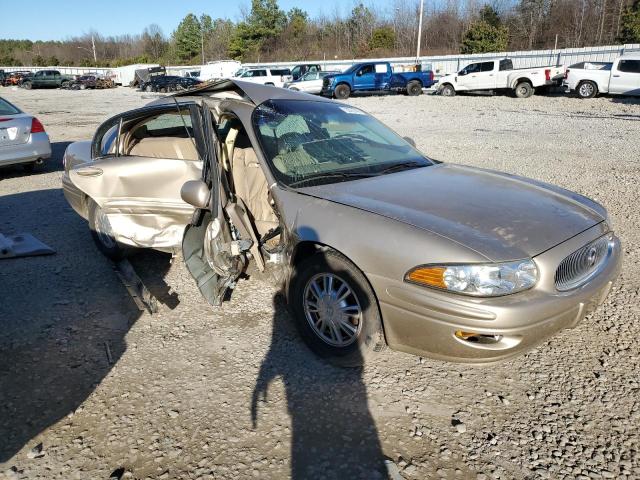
x=196, y=193
x=410, y=141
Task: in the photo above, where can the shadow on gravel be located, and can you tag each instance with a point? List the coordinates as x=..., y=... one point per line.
x=53, y=164
x=333, y=433
x=625, y=100
x=63, y=319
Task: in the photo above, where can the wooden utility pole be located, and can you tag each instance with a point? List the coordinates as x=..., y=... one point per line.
x=419, y=31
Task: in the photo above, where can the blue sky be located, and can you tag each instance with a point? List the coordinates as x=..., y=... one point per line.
x=57, y=20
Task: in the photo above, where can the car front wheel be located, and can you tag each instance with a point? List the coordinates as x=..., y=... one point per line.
x=448, y=91
x=336, y=310
x=342, y=92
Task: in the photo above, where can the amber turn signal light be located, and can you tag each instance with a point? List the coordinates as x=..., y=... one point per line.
x=430, y=276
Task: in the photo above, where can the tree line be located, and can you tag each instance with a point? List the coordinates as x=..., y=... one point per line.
x=268, y=33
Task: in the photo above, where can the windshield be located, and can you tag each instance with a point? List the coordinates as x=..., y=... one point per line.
x=351, y=69
x=312, y=143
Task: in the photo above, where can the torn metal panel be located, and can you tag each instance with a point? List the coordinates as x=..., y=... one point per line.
x=144, y=209
x=22, y=245
x=139, y=293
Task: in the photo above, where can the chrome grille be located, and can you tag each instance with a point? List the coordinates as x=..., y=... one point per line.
x=582, y=264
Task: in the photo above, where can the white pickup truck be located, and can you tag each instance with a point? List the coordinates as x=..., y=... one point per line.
x=499, y=75
x=621, y=77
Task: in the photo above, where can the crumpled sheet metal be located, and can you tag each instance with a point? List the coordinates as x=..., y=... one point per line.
x=22, y=245
x=144, y=209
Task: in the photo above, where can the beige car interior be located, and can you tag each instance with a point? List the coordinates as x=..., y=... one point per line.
x=141, y=143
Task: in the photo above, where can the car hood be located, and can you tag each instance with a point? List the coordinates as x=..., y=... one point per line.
x=500, y=216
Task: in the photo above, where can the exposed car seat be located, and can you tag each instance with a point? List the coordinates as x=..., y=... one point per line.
x=250, y=184
x=165, y=147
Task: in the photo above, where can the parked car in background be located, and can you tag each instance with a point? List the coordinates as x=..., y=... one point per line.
x=92, y=80
x=3, y=75
x=23, y=139
x=620, y=77
x=168, y=83
x=47, y=79
x=14, y=78
x=310, y=82
x=299, y=71
x=375, y=77
x=499, y=75
x=372, y=242
x=275, y=77
x=192, y=74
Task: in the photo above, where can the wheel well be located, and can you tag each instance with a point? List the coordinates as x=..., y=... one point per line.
x=343, y=83
x=520, y=80
x=416, y=80
x=588, y=81
x=448, y=85
x=308, y=248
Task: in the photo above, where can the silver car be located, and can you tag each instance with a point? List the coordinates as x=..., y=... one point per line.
x=373, y=242
x=310, y=82
x=22, y=137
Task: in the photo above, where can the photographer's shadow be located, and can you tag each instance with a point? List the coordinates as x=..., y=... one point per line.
x=333, y=433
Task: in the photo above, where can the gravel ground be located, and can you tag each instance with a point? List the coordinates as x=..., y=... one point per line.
x=176, y=400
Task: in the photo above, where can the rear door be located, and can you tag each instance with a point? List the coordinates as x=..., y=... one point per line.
x=625, y=77
x=207, y=245
x=142, y=159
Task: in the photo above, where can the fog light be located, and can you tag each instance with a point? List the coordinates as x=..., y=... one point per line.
x=482, y=338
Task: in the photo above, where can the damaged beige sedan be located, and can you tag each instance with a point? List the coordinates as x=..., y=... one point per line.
x=374, y=243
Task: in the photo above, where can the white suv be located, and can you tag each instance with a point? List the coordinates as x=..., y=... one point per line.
x=266, y=76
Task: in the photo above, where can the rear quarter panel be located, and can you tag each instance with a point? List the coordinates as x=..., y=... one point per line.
x=600, y=77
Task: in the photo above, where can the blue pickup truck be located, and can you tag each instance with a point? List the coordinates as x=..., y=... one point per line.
x=375, y=77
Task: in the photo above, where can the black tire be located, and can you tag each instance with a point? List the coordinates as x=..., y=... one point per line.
x=27, y=85
x=523, y=90
x=369, y=336
x=587, y=89
x=65, y=84
x=83, y=86
x=162, y=90
x=448, y=90
x=105, y=242
x=414, y=88
x=148, y=88
x=269, y=84
x=342, y=91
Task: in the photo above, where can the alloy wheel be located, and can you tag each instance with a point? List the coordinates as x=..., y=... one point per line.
x=332, y=309
x=586, y=90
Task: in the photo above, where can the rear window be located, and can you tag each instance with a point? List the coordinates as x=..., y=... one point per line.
x=630, y=66
x=486, y=66
x=7, y=109
x=506, y=65
x=280, y=71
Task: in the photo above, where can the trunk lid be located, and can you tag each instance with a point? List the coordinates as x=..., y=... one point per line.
x=14, y=129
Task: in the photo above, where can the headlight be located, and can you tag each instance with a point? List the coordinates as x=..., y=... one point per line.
x=480, y=280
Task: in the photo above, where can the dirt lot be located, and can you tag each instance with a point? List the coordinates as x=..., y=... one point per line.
x=176, y=402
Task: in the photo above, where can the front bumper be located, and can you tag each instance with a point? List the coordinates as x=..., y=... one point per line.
x=423, y=321
x=37, y=147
